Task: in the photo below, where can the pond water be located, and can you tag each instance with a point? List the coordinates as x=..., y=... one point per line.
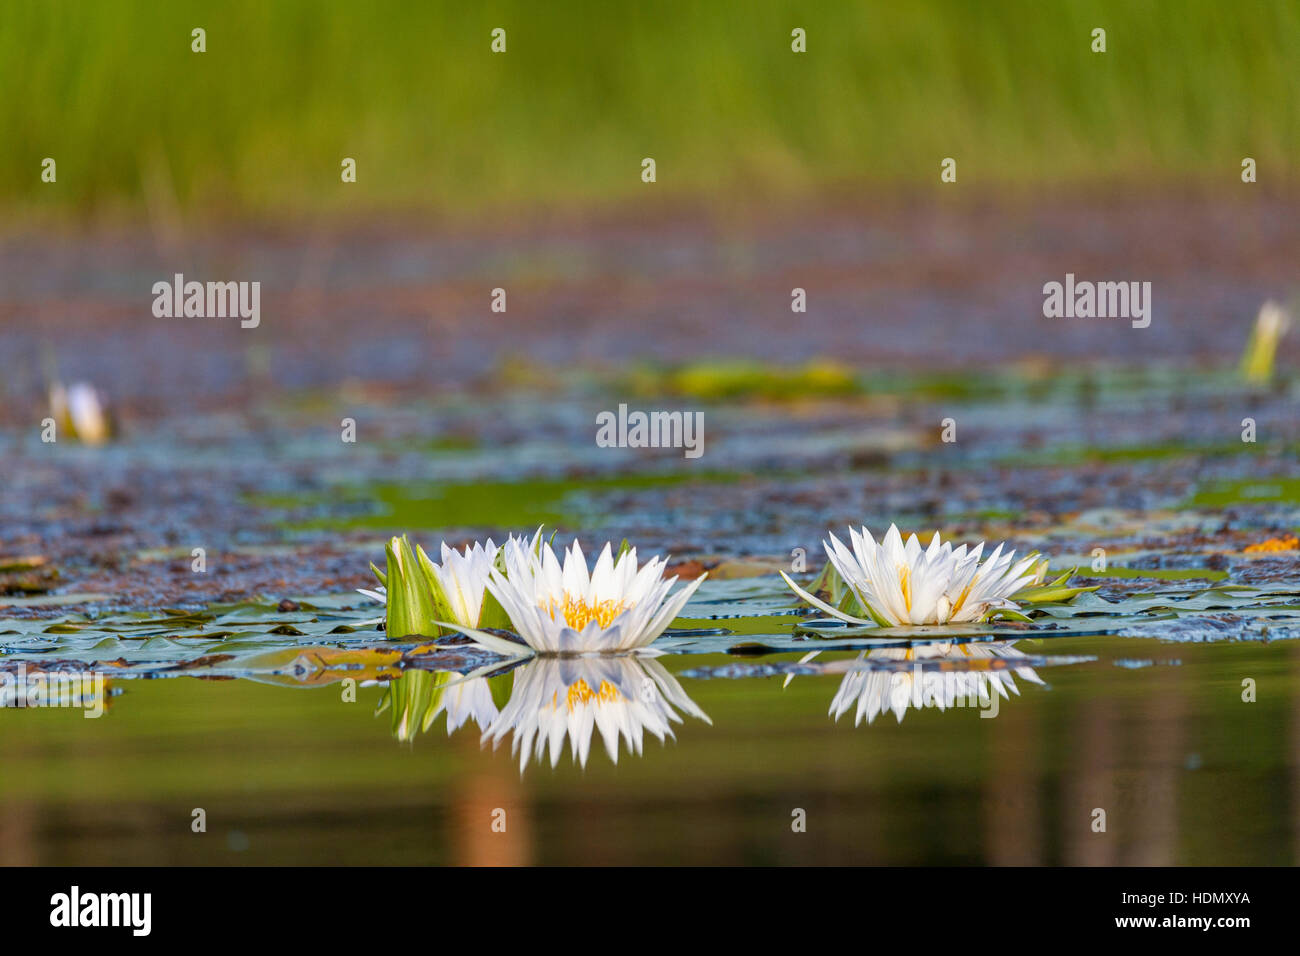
x=305, y=737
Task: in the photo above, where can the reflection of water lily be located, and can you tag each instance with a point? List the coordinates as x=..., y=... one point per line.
x=469, y=700
x=559, y=609
x=558, y=697
x=897, y=584
x=417, y=698
x=877, y=689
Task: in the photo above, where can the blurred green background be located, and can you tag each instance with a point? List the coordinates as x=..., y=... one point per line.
x=257, y=125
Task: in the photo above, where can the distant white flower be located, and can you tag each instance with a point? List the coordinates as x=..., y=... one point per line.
x=875, y=690
x=82, y=409
x=1261, y=349
x=559, y=698
x=563, y=609
x=904, y=584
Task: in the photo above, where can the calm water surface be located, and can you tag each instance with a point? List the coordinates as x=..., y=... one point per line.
x=1154, y=733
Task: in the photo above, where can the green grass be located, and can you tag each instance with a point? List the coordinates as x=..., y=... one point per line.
x=258, y=124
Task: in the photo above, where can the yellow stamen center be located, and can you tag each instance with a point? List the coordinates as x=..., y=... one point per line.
x=905, y=580
x=961, y=598
x=578, y=614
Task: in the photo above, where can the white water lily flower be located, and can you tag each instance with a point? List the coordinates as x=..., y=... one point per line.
x=463, y=578
x=876, y=690
x=559, y=698
x=564, y=609
x=904, y=584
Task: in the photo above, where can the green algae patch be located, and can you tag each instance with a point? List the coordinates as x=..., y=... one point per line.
x=1246, y=491
x=1159, y=574
x=479, y=504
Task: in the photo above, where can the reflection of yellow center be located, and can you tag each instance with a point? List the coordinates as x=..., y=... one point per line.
x=578, y=614
x=580, y=693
